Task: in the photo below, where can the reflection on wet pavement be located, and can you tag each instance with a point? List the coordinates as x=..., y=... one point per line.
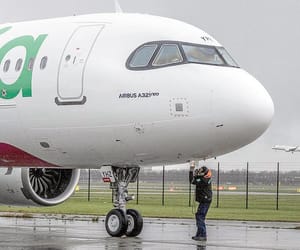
x=58, y=234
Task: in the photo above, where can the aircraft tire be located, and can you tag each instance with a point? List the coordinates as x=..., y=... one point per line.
x=135, y=223
x=116, y=223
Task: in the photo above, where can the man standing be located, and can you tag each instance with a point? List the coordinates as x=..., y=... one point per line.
x=202, y=179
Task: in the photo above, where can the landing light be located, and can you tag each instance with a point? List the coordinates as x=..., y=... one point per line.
x=130, y=198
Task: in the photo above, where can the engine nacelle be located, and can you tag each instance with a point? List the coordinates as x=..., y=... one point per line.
x=37, y=186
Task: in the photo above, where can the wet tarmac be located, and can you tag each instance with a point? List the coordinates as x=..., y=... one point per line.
x=52, y=233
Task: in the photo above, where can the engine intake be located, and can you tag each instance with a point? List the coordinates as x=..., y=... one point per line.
x=37, y=186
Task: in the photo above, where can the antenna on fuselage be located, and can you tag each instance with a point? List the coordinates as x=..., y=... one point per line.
x=118, y=8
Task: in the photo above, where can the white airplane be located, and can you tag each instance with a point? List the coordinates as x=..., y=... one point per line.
x=116, y=92
x=285, y=148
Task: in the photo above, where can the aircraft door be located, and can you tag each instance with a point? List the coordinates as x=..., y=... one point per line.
x=73, y=63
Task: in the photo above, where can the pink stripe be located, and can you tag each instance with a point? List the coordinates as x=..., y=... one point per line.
x=11, y=156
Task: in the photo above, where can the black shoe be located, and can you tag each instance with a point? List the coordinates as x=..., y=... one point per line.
x=199, y=238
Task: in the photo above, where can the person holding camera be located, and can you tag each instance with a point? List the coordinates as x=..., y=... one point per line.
x=201, y=178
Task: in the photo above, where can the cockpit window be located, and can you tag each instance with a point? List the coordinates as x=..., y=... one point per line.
x=143, y=56
x=229, y=60
x=168, y=54
x=160, y=54
x=202, y=54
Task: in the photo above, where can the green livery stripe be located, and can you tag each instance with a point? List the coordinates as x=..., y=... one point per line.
x=4, y=30
x=23, y=83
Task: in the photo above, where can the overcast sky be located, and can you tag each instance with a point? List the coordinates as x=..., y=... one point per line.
x=262, y=35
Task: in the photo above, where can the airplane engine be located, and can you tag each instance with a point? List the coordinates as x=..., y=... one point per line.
x=37, y=186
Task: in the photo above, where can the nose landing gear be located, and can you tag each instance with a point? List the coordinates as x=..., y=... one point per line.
x=121, y=221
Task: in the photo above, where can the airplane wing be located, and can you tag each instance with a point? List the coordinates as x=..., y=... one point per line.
x=285, y=148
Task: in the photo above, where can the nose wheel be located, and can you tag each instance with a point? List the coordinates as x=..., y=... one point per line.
x=121, y=221
x=117, y=224
x=135, y=223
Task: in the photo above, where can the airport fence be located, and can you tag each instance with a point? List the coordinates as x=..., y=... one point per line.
x=274, y=186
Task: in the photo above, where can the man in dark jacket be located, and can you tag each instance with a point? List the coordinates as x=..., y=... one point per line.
x=202, y=179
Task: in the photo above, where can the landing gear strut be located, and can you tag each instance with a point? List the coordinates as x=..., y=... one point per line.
x=121, y=221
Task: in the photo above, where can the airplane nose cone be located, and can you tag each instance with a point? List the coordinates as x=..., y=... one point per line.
x=244, y=114
x=258, y=105
x=266, y=111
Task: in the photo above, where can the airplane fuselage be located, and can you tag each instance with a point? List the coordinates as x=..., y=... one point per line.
x=69, y=99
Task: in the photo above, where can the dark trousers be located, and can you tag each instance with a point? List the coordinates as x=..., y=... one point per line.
x=200, y=219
